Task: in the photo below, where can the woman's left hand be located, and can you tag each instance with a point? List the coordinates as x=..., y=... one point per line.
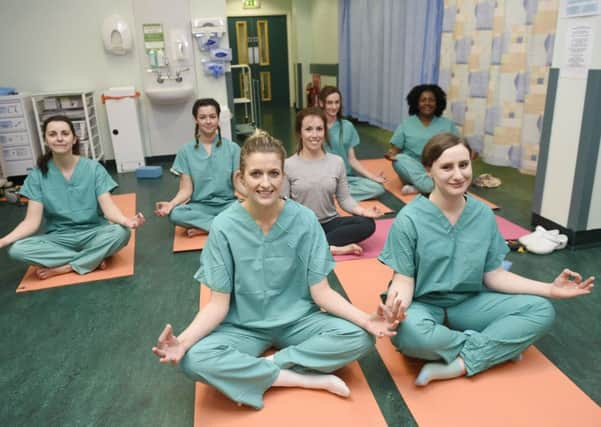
x=135, y=222
x=570, y=284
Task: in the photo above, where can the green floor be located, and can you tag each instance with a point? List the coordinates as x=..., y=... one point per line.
x=80, y=355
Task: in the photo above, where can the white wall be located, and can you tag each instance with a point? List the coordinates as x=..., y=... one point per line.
x=57, y=45
x=316, y=35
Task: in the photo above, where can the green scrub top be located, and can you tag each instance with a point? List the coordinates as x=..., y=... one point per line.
x=268, y=276
x=211, y=174
x=70, y=205
x=411, y=135
x=447, y=261
x=350, y=139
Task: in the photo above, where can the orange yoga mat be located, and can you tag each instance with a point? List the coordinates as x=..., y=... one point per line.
x=531, y=392
x=366, y=204
x=394, y=183
x=119, y=265
x=291, y=407
x=182, y=243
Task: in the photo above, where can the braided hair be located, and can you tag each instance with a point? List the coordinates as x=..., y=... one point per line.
x=205, y=102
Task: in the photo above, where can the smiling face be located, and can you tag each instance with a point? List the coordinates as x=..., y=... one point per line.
x=59, y=137
x=263, y=177
x=207, y=120
x=331, y=106
x=452, y=171
x=426, y=104
x=312, y=133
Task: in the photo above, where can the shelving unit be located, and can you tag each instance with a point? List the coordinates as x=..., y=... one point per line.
x=80, y=107
x=19, y=148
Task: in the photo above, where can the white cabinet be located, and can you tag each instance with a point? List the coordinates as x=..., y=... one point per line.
x=124, y=122
x=80, y=107
x=18, y=138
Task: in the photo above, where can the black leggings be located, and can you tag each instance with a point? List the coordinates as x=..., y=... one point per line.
x=342, y=231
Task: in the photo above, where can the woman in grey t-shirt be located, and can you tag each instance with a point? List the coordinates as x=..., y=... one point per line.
x=315, y=177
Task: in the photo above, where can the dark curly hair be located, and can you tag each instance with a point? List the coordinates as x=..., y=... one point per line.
x=416, y=92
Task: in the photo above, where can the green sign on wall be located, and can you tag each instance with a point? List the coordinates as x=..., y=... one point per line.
x=251, y=4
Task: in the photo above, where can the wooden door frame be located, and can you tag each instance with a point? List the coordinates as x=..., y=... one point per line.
x=291, y=79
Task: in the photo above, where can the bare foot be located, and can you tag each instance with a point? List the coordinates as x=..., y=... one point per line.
x=44, y=273
x=103, y=265
x=191, y=232
x=352, y=249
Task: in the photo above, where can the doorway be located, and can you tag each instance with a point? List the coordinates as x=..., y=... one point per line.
x=261, y=42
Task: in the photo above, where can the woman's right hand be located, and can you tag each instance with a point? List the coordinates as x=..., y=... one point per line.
x=163, y=208
x=169, y=349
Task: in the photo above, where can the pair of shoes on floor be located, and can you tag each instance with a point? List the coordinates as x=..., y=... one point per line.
x=543, y=241
x=486, y=180
x=409, y=189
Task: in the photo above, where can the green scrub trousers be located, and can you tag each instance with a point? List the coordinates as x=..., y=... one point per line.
x=196, y=214
x=484, y=330
x=83, y=250
x=228, y=358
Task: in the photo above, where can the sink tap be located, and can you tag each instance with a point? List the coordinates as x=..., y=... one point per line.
x=178, y=74
x=160, y=76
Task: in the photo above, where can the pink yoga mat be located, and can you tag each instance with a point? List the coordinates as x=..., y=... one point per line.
x=509, y=230
x=374, y=244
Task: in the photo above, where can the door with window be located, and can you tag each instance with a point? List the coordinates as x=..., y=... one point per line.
x=261, y=42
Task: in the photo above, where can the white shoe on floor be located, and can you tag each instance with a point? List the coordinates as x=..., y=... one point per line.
x=538, y=231
x=546, y=242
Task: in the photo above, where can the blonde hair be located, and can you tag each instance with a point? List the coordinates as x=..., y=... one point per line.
x=261, y=142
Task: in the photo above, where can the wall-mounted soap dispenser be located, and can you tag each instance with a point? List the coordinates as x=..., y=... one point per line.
x=116, y=35
x=179, y=48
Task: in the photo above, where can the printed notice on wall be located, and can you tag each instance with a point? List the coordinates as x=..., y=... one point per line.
x=573, y=8
x=578, y=52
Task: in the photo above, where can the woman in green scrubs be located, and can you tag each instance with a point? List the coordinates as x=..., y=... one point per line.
x=426, y=105
x=72, y=194
x=464, y=312
x=205, y=167
x=342, y=140
x=266, y=263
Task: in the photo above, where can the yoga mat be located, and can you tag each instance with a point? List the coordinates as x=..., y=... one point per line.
x=119, y=265
x=509, y=230
x=373, y=245
x=182, y=243
x=394, y=183
x=292, y=407
x=366, y=204
x=532, y=392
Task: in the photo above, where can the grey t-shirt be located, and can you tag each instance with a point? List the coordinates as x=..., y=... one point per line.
x=314, y=183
